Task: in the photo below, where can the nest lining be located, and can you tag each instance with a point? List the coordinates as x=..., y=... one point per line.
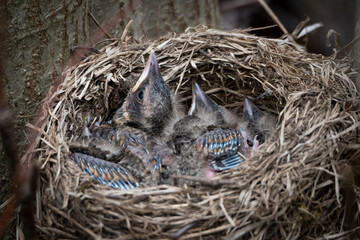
x=289, y=189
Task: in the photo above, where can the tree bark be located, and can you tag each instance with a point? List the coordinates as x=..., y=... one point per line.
x=41, y=34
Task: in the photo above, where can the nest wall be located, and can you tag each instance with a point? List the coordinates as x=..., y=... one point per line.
x=290, y=189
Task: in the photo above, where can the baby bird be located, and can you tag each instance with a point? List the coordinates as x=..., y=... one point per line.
x=149, y=111
x=206, y=140
x=256, y=123
x=108, y=142
x=150, y=105
x=205, y=108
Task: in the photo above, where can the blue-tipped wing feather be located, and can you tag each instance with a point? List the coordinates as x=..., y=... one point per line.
x=221, y=147
x=106, y=173
x=226, y=163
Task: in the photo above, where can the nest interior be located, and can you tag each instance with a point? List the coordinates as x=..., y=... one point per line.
x=291, y=188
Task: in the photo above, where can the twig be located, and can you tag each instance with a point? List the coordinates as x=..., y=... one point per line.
x=348, y=45
x=273, y=16
x=183, y=230
x=126, y=30
x=98, y=24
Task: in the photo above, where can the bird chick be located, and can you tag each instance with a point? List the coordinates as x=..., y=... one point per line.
x=118, y=158
x=205, y=108
x=107, y=142
x=148, y=112
x=150, y=105
x=256, y=123
x=206, y=139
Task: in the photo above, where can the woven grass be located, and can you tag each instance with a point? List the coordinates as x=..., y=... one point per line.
x=290, y=189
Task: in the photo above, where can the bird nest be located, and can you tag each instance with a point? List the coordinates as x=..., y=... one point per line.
x=290, y=188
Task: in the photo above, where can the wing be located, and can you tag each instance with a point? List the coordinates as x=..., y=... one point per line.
x=226, y=163
x=222, y=147
x=110, y=142
x=121, y=137
x=104, y=172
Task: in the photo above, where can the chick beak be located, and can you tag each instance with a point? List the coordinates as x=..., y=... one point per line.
x=251, y=112
x=200, y=100
x=151, y=67
x=248, y=105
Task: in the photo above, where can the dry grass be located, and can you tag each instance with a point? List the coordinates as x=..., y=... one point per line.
x=291, y=189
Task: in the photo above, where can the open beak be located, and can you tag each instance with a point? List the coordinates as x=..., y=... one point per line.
x=151, y=66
